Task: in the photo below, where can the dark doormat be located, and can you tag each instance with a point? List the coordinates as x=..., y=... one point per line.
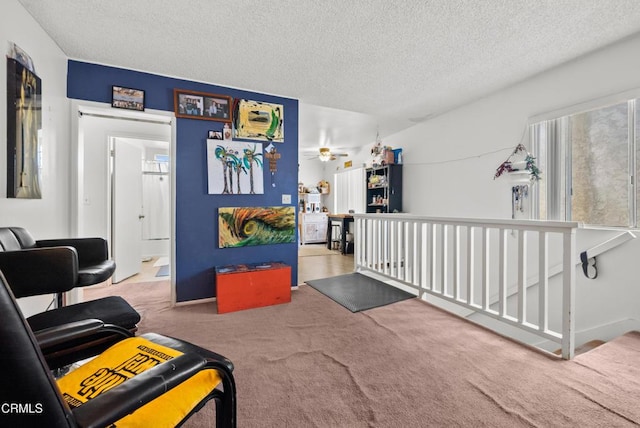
x=358, y=292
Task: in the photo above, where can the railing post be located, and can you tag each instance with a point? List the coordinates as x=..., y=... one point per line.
x=568, y=293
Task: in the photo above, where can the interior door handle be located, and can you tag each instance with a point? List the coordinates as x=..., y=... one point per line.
x=140, y=216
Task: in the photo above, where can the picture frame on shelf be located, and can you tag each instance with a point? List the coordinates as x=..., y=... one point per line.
x=127, y=98
x=202, y=105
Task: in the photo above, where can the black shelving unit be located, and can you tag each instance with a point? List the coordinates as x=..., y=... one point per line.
x=384, y=194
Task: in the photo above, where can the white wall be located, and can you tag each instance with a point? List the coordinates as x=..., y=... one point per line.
x=47, y=217
x=449, y=163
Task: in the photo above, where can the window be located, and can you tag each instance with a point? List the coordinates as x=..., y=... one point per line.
x=349, y=191
x=588, y=161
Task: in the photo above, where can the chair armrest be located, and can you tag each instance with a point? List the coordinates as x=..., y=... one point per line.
x=36, y=271
x=70, y=332
x=123, y=399
x=90, y=251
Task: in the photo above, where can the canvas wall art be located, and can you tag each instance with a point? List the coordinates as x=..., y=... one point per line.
x=234, y=168
x=248, y=226
x=24, y=128
x=259, y=121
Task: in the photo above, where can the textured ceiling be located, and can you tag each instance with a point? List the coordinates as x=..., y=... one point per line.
x=391, y=63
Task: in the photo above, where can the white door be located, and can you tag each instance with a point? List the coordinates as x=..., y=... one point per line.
x=127, y=209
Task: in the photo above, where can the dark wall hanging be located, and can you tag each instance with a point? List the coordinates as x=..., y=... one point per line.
x=24, y=125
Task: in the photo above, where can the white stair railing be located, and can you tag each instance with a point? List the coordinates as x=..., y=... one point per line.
x=463, y=260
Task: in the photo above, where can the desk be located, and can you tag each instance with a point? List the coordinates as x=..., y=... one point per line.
x=344, y=220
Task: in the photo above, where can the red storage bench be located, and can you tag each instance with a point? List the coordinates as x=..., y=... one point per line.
x=252, y=285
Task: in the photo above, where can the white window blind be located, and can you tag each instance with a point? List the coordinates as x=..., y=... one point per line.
x=349, y=191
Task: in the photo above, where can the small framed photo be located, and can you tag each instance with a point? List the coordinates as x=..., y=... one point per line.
x=217, y=107
x=127, y=98
x=215, y=135
x=200, y=105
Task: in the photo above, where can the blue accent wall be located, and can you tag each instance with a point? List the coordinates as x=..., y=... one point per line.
x=196, y=240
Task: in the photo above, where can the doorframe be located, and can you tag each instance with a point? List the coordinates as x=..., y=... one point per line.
x=76, y=226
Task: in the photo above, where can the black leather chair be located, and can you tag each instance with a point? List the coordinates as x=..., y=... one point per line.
x=92, y=264
x=57, y=266
x=32, y=397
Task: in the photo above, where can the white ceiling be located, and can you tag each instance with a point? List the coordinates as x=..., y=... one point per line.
x=389, y=64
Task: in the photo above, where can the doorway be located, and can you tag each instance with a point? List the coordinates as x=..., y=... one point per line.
x=141, y=208
x=103, y=133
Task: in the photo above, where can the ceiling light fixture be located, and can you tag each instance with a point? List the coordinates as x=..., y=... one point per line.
x=325, y=154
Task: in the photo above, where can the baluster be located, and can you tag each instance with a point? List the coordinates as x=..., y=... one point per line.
x=400, y=248
x=485, y=268
x=444, y=262
x=417, y=254
x=408, y=244
x=543, y=281
x=470, y=264
x=456, y=261
x=502, y=303
x=522, y=276
x=432, y=259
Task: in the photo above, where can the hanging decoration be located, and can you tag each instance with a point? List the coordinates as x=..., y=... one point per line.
x=272, y=155
x=511, y=164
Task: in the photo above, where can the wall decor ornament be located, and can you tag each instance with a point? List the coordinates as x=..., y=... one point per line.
x=234, y=168
x=24, y=128
x=202, y=105
x=520, y=159
x=256, y=120
x=249, y=226
x=272, y=155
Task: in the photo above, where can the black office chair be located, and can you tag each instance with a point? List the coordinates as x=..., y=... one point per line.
x=55, y=267
x=31, y=397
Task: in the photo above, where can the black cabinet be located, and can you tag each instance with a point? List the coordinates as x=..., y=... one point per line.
x=384, y=189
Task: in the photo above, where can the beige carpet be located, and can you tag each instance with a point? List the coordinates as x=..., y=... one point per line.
x=313, y=363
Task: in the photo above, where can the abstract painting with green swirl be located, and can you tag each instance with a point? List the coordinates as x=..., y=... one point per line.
x=247, y=226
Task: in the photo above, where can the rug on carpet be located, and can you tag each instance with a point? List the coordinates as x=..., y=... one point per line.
x=358, y=292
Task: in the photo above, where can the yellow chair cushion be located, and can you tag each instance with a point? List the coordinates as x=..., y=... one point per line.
x=125, y=360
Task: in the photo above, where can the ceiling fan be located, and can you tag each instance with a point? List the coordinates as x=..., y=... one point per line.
x=325, y=155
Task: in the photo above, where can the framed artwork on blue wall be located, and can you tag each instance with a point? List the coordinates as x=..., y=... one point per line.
x=201, y=105
x=234, y=167
x=248, y=226
x=256, y=120
x=127, y=98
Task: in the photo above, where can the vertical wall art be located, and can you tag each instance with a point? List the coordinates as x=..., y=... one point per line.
x=259, y=121
x=24, y=126
x=247, y=226
x=234, y=167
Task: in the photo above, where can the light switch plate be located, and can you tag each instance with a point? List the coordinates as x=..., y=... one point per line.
x=286, y=199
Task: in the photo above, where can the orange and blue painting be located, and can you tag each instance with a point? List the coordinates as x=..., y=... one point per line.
x=247, y=226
